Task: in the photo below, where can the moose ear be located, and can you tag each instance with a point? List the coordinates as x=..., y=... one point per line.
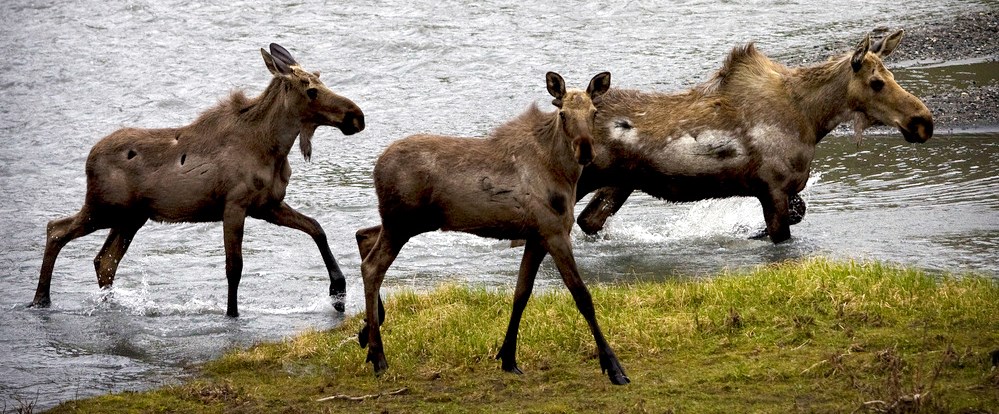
x=276, y=66
x=885, y=46
x=282, y=54
x=556, y=87
x=598, y=85
x=858, y=55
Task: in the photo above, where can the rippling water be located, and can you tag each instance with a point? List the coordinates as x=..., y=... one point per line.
x=75, y=71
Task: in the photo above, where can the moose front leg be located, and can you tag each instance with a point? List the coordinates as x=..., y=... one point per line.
x=534, y=253
x=233, y=220
x=605, y=203
x=284, y=215
x=561, y=250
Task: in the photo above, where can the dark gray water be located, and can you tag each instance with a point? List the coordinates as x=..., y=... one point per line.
x=73, y=72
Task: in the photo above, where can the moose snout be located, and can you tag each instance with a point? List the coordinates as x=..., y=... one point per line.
x=918, y=129
x=583, y=150
x=353, y=122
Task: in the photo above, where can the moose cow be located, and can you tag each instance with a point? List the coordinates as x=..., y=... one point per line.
x=751, y=130
x=230, y=163
x=519, y=183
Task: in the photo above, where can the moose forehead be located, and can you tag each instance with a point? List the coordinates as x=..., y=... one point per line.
x=305, y=75
x=576, y=99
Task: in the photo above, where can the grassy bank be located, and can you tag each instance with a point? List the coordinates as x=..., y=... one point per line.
x=814, y=336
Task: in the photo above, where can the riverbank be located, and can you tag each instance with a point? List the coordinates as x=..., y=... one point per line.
x=812, y=336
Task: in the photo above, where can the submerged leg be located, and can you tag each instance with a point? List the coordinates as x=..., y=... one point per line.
x=233, y=220
x=373, y=269
x=534, y=253
x=58, y=233
x=285, y=216
x=561, y=250
x=797, y=209
x=106, y=262
x=605, y=203
x=775, y=212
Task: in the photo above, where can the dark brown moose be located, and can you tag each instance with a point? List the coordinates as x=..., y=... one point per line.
x=751, y=130
x=232, y=162
x=519, y=183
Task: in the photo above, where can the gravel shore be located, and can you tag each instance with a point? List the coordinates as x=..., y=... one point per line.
x=969, y=37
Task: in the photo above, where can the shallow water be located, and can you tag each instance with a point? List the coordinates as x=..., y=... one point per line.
x=76, y=71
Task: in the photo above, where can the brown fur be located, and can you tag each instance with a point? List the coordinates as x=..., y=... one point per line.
x=230, y=163
x=517, y=183
x=750, y=130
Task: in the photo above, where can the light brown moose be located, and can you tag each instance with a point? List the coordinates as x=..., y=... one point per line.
x=749, y=131
x=518, y=183
x=230, y=163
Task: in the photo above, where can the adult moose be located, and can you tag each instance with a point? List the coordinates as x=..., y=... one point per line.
x=518, y=183
x=751, y=130
x=230, y=163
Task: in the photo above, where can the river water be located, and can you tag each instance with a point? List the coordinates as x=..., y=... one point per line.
x=73, y=72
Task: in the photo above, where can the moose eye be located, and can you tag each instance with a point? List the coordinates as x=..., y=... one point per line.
x=561, y=116
x=312, y=92
x=877, y=85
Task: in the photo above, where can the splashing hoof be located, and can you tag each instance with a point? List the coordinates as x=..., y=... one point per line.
x=40, y=303
x=338, y=302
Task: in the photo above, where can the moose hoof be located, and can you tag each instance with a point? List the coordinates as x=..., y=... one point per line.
x=377, y=362
x=338, y=302
x=40, y=303
x=362, y=336
x=513, y=370
x=619, y=379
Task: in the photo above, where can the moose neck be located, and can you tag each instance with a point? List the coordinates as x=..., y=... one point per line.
x=819, y=93
x=559, y=153
x=270, y=113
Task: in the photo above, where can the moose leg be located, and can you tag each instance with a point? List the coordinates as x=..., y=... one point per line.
x=775, y=212
x=605, y=203
x=58, y=233
x=106, y=262
x=561, y=250
x=366, y=239
x=373, y=269
x=233, y=220
x=796, y=209
x=534, y=253
x=285, y=216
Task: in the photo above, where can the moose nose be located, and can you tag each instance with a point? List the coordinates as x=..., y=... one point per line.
x=918, y=130
x=352, y=123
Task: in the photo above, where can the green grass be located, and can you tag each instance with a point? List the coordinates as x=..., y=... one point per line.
x=811, y=336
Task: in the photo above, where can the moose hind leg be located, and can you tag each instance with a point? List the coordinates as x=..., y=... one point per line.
x=106, y=262
x=58, y=233
x=233, y=221
x=776, y=214
x=373, y=269
x=533, y=255
x=284, y=215
x=561, y=250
